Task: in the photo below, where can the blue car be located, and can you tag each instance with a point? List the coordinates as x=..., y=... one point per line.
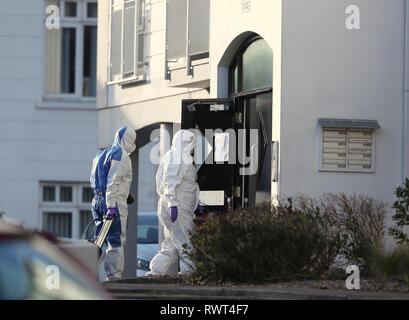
x=148, y=240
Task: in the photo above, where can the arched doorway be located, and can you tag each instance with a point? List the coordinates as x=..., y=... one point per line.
x=250, y=85
x=251, y=67
x=240, y=127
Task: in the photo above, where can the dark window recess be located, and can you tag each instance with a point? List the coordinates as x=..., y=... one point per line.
x=87, y=194
x=85, y=219
x=90, y=61
x=66, y=194
x=92, y=10
x=68, y=60
x=70, y=9
x=48, y=194
x=58, y=223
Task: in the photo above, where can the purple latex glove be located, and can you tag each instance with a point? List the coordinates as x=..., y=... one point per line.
x=201, y=209
x=173, y=213
x=111, y=213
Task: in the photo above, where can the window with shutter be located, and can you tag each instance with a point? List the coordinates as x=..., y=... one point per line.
x=127, y=37
x=347, y=149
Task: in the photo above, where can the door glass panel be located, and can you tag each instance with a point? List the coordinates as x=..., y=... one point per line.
x=257, y=66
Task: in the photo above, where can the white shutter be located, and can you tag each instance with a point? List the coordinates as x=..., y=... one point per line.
x=347, y=148
x=334, y=148
x=360, y=148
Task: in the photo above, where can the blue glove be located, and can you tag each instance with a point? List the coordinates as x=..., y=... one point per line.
x=111, y=213
x=201, y=209
x=173, y=213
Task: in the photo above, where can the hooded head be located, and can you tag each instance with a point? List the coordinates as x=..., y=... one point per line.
x=125, y=137
x=183, y=144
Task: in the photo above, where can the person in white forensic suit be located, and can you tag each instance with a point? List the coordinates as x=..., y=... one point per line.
x=178, y=199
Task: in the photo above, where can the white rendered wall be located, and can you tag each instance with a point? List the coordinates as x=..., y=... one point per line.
x=35, y=144
x=321, y=69
x=331, y=72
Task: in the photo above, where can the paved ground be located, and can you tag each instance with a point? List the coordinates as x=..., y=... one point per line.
x=151, y=290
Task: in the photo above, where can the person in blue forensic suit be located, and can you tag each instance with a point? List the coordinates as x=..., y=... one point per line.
x=111, y=178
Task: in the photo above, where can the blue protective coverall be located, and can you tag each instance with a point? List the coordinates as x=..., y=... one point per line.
x=110, y=179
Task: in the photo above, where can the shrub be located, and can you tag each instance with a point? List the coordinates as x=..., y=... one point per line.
x=401, y=217
x=361, y=221
x=386, y=265
x=300, y=238
x=291, y=241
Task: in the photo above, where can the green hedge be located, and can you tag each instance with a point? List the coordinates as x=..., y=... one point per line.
x=300, y=238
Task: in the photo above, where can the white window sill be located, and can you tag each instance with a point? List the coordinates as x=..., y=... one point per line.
x=348, y=170
x=87, y=104
x=139, y=79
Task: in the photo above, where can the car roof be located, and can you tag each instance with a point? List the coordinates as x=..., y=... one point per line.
x=146, y=213
x=9, y=228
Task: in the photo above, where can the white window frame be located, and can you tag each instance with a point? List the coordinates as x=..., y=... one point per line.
x=75, y=206
x=78, y=22
x=140, y=30
x=350, y=170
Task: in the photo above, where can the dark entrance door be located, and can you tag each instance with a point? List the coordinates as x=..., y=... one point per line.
x=243, y=179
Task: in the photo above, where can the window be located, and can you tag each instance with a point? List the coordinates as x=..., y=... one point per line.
x=187, y=32
x=347, y=145
x=127, y=37
x=252, y=68
x=66, y=208
x=70, y=9
x=85, y=219
x=58, y=223
x=48, y=193
x=72, y=51
x=87, y=194
x=66, y=194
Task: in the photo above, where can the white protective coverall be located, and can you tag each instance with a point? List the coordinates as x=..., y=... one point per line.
x=176, y=187
x=111, y=178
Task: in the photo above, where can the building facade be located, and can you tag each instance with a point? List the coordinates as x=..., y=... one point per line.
x=48, y=119
x=330, y=79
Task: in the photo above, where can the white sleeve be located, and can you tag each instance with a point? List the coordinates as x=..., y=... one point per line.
x=172, y=176
x=114, y=179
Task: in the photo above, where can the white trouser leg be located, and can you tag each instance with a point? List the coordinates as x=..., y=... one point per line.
x=114, y=260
